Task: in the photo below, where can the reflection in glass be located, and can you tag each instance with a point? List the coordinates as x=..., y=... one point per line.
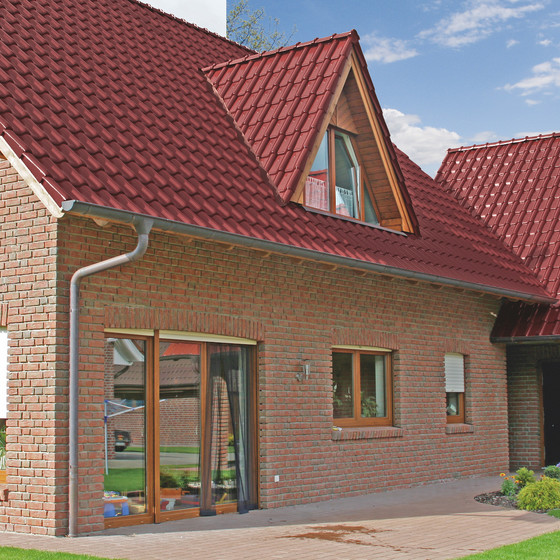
x=372, y=386
x=343, y=402
x=125, y=427
x=179, y=425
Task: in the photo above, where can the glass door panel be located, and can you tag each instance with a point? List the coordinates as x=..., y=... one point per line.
x=125, y=427
x=179, y=425
x=230, y=426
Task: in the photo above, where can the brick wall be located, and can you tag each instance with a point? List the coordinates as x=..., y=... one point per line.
x=297, y=310
x=525, y=402
x=36, y=431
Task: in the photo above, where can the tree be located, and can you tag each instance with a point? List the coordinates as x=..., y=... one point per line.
x=254, y=29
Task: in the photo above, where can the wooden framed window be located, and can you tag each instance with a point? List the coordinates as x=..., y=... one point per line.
x=362, y=388
x=336, y=183
x=455, y=387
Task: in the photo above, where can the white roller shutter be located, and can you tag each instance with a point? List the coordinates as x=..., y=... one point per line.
x=3, y=372
x=454, y=373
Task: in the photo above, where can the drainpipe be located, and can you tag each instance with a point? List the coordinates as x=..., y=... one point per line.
x=143, y=227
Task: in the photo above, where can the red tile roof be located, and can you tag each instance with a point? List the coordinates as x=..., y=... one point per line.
x=514, y=187
x=279, y=100
x=106, y=103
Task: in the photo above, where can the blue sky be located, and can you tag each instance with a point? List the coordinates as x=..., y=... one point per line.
x=447, y=72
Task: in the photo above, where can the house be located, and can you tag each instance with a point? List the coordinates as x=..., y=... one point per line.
x=222, y=286
x=514, y=188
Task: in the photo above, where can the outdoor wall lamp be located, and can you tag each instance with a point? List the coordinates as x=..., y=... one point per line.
x=304, y=373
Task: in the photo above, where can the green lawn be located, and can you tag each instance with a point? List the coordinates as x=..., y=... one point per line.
x=10, y=553
x=545, y=547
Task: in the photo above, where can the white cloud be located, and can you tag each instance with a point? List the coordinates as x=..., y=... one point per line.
x=531, y=102
x=511, y=43
x=484, y=137
x=480, y=19
x=425, y=145
x=545, y=76
x=210, y=14
x=384, y=49
x=545, y=42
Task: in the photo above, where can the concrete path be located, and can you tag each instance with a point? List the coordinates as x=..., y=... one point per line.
x=435, y=522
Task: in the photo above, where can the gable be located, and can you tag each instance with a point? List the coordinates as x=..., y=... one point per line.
x=353, y=111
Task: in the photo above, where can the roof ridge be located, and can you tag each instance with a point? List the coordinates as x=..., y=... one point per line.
x=505, y=142
x=249, y=58
x=188, y=23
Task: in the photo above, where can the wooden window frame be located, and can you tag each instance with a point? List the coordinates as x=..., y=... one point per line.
x=152, y=426
x=357, y=419
x=460, y=417
x=362, y=186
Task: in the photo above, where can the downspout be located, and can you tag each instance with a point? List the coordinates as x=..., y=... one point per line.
x=143, y=227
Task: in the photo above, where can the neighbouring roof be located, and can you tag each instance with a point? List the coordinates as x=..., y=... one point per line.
x=514, y=188
x=106, y=103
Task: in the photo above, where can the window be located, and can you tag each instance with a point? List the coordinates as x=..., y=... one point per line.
x=362, y=389
x=3, y=372
x=455, y=387
x=335, y=183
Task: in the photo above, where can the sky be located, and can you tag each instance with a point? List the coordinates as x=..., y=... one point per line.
x=447, y=73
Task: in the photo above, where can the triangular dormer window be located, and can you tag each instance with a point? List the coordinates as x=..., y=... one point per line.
x=336, y=183
x=351, y=172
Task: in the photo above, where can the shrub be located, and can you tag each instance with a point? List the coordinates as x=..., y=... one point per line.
x=524, y=477
x=552, y=471
x=544, y=494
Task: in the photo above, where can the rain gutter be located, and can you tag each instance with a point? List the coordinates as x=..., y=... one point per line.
x=546, y=339
x=143, y=225
x=124, y=216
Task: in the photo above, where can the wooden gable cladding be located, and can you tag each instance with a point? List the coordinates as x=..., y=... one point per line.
x=352, y=110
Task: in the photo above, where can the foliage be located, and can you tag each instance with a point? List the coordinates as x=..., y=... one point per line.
x=509, y=486
x=369, y=406
x=2, y=447
x=541, y=495
x=537, y=548
x=552, y=471
x=254, y=30
x=524, y=476
x=168, y=479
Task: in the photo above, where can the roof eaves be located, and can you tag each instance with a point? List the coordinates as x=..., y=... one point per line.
x=123, y=216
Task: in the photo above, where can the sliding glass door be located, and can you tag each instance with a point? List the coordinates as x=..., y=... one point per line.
x=186, y=423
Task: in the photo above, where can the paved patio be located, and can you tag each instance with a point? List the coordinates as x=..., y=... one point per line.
x=435, y=522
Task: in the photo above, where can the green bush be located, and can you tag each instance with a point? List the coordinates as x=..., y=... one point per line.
x=544, y=494
x=552, y=471
x=524, y=477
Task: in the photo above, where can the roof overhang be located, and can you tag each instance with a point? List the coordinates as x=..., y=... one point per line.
x=102, y=213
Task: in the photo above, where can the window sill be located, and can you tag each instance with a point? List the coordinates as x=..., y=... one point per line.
x=366, y=432
x=459, y=429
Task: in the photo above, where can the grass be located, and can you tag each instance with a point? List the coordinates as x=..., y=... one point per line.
x=545, y=547
x=554, y=513
x=11, y=553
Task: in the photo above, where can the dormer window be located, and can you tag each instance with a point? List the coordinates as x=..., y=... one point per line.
x=335, y=183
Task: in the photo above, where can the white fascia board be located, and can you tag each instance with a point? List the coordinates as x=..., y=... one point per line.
x=29, y=179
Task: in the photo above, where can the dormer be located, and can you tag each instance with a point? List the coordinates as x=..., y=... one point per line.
x=311, y=116
x=350, y=172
